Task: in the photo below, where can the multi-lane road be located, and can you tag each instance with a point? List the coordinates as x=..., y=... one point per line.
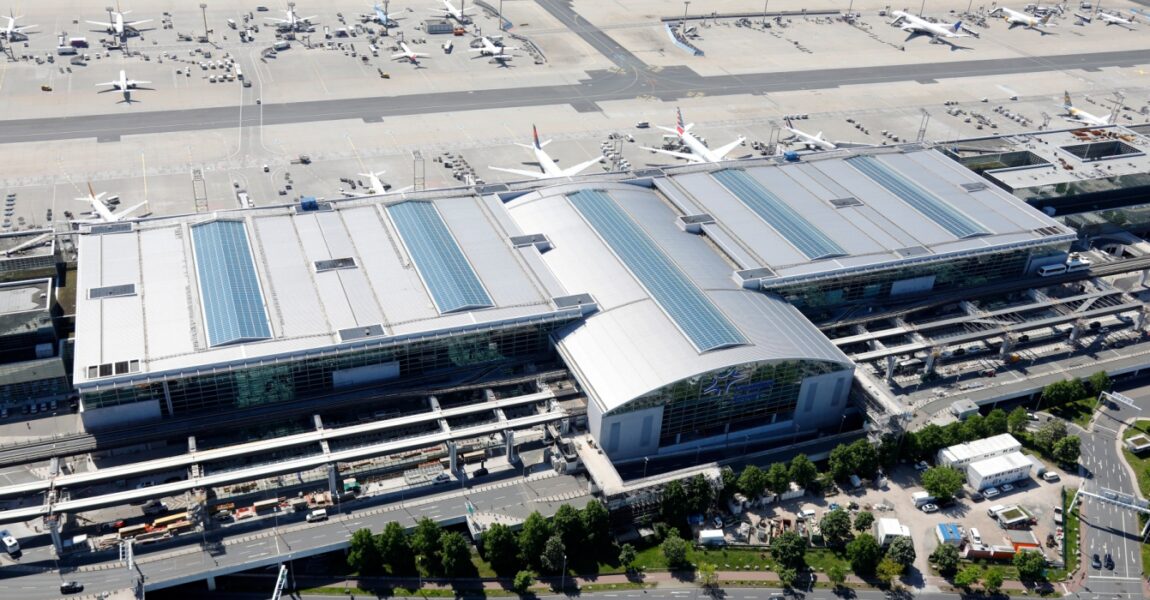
x=668, y=84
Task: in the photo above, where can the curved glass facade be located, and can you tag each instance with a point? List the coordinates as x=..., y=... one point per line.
x=730, y=399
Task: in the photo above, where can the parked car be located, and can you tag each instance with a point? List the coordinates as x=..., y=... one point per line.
x=1109, y=562
x=977, y=497
x=1006, y=488
x=71, y=587
x=921, y=465
x=990, y=492
x=1096, y=562
x=929, y=508
x=1050, y=476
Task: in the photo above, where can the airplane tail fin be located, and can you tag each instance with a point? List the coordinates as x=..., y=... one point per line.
x=91, y=192
x=679, y=127
x=535, y=137
x=1066, y=100
x=957, y=27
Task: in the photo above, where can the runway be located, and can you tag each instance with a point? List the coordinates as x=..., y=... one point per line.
x=668, y=85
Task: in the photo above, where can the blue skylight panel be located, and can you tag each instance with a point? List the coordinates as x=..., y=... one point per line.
x=779, y=215
x=687, y=307
x=934, y=208
x=444, y=269
x=229, y=287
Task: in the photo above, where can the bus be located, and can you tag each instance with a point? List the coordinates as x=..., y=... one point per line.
x=164, y=522
x=132, y=531
x=266, y=505
x=470, y=458
x=1051, y=270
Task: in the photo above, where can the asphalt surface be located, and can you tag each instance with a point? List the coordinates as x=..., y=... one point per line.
x=240, y=547
x=667, y=84
x=1107, y=528
x=673, y=593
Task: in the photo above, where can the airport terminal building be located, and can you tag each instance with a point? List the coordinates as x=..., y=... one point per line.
x=680, y=300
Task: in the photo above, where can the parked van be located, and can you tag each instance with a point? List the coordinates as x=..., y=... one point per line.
x=320, y=514
x=993, y=511
x=975, y=536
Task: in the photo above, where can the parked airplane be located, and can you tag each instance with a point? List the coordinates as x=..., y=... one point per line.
x=292, y=21
x=919, y=26
x=407, y=54
x=376, y=186
x=816, y=142
x=124, y=85
x=1080, y=116
x=490, y=49
x=550, y=169
x=379, y=15
x=1116, y=19
x=459, y=14
x=12, y=32
x=101, y=210
x=1019, y=19
x=700, y=153
x=120, y=28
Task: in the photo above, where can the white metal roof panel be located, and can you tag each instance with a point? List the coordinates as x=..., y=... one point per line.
x=292, y=291
x=166, y=293
x=393, y=277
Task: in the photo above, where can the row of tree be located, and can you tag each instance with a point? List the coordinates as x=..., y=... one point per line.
x=1031, y=567
x=397, y=552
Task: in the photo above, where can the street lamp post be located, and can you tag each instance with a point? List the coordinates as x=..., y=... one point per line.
x=922, y=8
x=842, y=423
x=646, y=459
x=501, y=30
x=686, y=3
x=563, y=584
x=204, y=12
x=765, y=13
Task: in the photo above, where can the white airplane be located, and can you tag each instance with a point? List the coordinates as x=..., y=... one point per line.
x=919, y=26
x=376, y=186
x=292, y=21
x=1080, y=116
x=12, y=31
x=118, y=26
x=816, y=142
x=379, y=15
x=407, y=54
x=1020, y=19
x=459, y=14
x=124, y=85
x=101, y=210
x=490, y=49
x=1116, y=19
x=700, y=153
x=550, y=169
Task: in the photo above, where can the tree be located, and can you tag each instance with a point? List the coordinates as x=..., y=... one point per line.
x=859, y=457
x=1067, y=449
x=803, y=471
x=996, y=422
x=945, y=557
x=864, y=554
x=707, y=575
x=730, y=482
x=568, y=525
x=425, y=542
x=454, y=554
x=930, y=440
x=673, y=506
x=395, y=549
x=596, y=525
x=533, y=536
x=889, y=570
x=1030, y=565
x=864, y=521
x=1061, y=392
x=1017, y=420
x=992, y=581
x=700, y=494
x=674, y=550
x=968, y=576
x=790, y=549
x=942, y=482
x=554, y=555
x=837, y=574
x=627, y=556
x=1099, y=382
x=788, y=576
x=501, y=548
x=362, y=555
x=888, y=448
x=836, y=527
x=973, y=428
x=778, y=478
x=523, y=582
x=1049, y=434
x=752, y=481
x=901, y=550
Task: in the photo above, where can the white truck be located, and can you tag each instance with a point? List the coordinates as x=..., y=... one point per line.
x=921, y=499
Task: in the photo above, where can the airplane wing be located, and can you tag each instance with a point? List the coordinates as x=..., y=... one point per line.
x=399, y=55
x=277, y=20
x=134, y=23
x=101, y=24
x=132, y=82
x=307, y=18
x=419, y=54
x=112, y=83
x=724, y=150
x=839, y=144
x=532, y=174
x=684, y=155
x=123, y=214
x=573, y=171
